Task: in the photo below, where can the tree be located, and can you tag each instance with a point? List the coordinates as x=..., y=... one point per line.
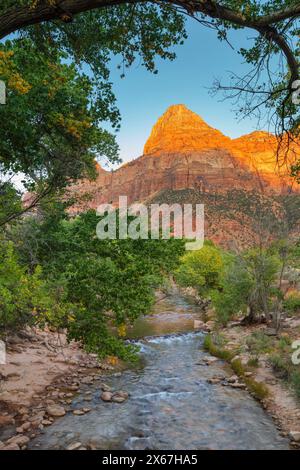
x=247, y=285
x=274, y=22
x=57, y=77
x=201, y=269
x=50, y=127
x=100, y=286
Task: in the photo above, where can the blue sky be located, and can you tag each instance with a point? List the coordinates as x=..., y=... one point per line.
x=142, y=97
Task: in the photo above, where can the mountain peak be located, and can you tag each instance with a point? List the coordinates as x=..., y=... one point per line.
x=180, y=130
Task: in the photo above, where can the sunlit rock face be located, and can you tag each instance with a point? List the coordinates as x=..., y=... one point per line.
x=181, y=131
x=184, y=152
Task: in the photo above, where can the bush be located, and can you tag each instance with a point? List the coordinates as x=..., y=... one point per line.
x=201, y=269
x=210, y=346
x=295, y=381
x=87, y=278
x=23, y=296
x=292, y=302
x=259, y=343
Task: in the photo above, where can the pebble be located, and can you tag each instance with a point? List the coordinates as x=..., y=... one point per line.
x=106, y=396
x=105, y=388
x=56, y=411
x=74, y=446
x=214, y=380
x=232, y=379
x=118, y=399
x=78, y=412
x=238, y=385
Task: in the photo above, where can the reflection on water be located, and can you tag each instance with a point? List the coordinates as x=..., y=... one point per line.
x=171, y=404
x=172, y=314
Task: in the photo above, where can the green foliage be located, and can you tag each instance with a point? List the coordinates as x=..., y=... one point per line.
x=23, y=297
x=259, y=343
x=210, y=346
x=201, y=269
x=295, y=171
x=235, y=288
x=101, y=285
x=55, y=134
x=253, y=361
x=247, y=282
x=292, y=302
x=295, y=381
x=259, y=390
x=286, y=370
x=10, y=200
x=58, y=79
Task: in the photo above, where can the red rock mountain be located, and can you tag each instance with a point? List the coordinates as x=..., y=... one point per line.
x=184, y=152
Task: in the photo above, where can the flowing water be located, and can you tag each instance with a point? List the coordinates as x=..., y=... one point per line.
x=171, y=404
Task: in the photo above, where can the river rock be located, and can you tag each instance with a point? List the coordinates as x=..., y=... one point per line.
x=105, y=388
x=198, y=324
x=238, y=385
x=118, y=399
x=11, y=447
x=18, y=440
x=25, y=427
x=122, y=393
x=78, y=412
x=87, y=380
x=106, y=396
x=295, y=436
x=46, y=422
x=6, y=420
x=214, y=380
x=232, y=379
x=210, y=359
x=56, y=411
x=74, y=446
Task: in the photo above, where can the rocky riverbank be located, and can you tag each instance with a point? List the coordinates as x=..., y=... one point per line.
x=42, y=374
x=250, y=352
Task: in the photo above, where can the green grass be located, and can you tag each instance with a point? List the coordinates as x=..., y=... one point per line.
x=215, y=350
x=257, y=389
x=253, y=361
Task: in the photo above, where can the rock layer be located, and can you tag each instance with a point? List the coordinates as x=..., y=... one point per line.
x=183, y=152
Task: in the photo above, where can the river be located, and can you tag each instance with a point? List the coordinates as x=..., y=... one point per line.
x=171, y=404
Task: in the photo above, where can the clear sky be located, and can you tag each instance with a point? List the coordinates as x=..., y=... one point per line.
x=143, y=97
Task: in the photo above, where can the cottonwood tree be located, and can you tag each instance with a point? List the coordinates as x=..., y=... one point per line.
x=275, y=23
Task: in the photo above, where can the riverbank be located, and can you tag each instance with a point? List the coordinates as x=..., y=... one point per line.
x=50, y=388
x=42, y=374
x=259, y=359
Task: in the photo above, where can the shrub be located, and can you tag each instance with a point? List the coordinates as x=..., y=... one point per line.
x=210, y=346
x=259, y=343
x=23, y=296
x=295, y=381
x=292, y=302
x=253, y=361
x=201, y=269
